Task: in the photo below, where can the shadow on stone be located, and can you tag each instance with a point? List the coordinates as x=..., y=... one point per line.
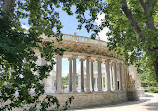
x=148, y=95
x=132, y=95
x=117, y=104
x=152, y=106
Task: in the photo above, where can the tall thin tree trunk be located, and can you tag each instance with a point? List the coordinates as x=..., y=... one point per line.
x=155, y=63
x=8, y=7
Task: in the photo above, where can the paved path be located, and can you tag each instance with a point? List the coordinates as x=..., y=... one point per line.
x=148, y=103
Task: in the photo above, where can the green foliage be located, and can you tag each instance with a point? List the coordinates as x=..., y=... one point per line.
x=65, y=80
x=147, y=74
x=17, y=54
x=69, y=101
x=152, y=90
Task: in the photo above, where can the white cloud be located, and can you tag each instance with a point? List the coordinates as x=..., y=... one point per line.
x=25, y=27
x=102, y=34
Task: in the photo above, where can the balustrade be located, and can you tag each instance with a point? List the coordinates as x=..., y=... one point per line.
x=75, y=38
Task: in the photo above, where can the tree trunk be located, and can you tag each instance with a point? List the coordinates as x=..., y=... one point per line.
x=8, y=7
x=155, y=63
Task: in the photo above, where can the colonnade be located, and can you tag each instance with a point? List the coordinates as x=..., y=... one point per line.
x=113, y=75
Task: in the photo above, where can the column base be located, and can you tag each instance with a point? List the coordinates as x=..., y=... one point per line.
x=116, y=91
x=58, y=92
x=108, y=91
x=88, y=92
x=100, y=91
x=121, y=91
x=75, y=92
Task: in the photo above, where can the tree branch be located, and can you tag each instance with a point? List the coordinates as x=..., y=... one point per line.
x=149, y=6
x=132, y=20
x=8, y=7
x=142, y=4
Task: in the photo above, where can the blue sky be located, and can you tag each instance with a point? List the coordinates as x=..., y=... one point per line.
x=69, y=23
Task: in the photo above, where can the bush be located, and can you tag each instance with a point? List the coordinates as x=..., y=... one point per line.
x=146, y=90
x=156, y=91
x=152, y=90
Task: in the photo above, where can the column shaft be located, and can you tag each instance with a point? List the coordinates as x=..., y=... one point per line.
x=70, y=74
x=120, y=76
x=87, y=76
x=82, y=76
x=115, y=78
x=92, y=76
x=74, y=76
x=96, y=83
x=108, y=87
x=99, y=76
x=59, y=74
x=111, y=76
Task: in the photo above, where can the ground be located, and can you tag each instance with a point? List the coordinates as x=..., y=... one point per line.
x=147, y=103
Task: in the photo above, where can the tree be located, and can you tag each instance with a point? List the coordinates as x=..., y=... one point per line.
x=147, y=75
x=132, y=27
x=17, y=54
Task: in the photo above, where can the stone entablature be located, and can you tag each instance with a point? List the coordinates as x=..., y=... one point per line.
x=80, y=44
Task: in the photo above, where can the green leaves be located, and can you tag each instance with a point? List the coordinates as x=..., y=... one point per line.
x=18, y=62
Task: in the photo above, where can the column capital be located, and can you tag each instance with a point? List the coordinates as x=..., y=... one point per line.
x=91, y=60
x=119, y=63
x=112, y=62
x=87, y=57
x=70, y=58
x=58, y=56
x=107, y=60
x=81, y=59
x=99, y=59
x=74, y=56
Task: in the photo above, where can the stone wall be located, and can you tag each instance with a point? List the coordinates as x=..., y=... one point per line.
x=85, y=100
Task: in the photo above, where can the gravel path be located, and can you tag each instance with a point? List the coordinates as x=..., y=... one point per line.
x=148, y=103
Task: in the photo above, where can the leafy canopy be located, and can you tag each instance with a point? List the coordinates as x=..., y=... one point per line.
x=19, y=71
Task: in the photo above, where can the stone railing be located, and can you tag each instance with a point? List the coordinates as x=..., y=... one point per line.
x=75, y=38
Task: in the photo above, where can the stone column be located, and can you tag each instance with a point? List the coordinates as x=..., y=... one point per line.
x=123, y=77
x=111, y=76
x=126, y=77
x=92, y=75
x=120, y=76
x=115, y=77
x=82, y=75
x=70, y=74
x=108, y=87
x=99, y=76
x=87, y=75
x=96, y=83
x=74, y=75
x=58, y=74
